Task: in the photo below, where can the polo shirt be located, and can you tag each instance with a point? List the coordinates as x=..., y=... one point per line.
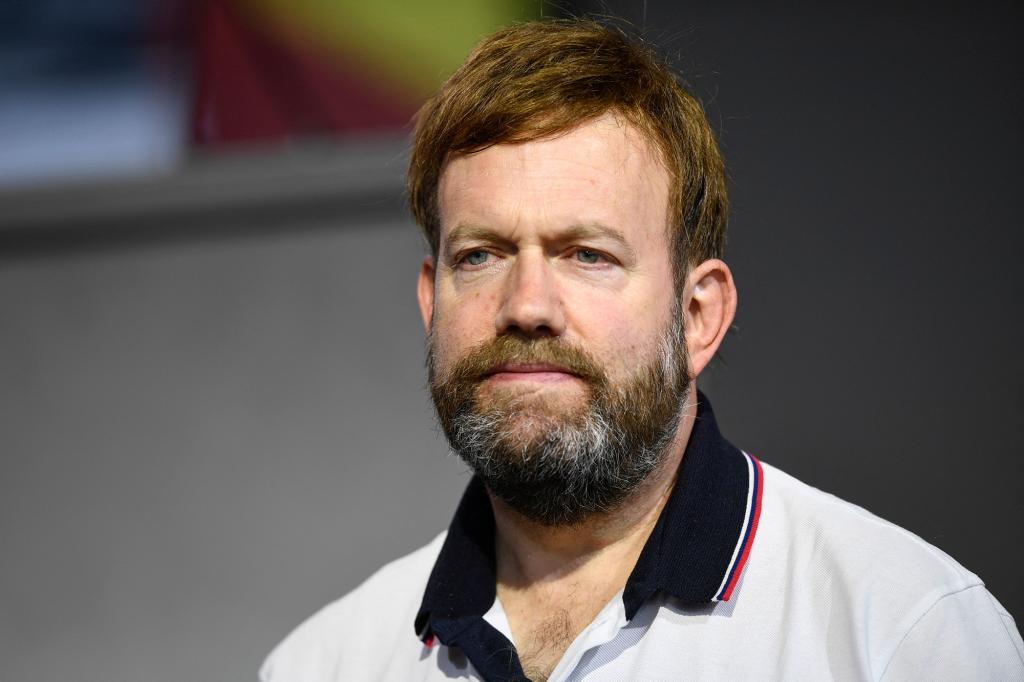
x=748, y=574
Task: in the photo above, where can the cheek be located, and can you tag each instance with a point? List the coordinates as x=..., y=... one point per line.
x=625, y=337
x=626, y=345
x=462, y=321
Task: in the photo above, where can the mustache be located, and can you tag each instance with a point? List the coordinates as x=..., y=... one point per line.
x=509, y=349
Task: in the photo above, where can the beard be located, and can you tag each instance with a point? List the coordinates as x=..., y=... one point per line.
x=553, y=464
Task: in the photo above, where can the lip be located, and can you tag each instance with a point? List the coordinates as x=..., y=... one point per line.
x=529, y=372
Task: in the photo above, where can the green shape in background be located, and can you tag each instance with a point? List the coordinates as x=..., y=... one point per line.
x=415, y=45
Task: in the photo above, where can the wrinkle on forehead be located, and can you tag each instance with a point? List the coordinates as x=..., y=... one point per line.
x=606, y=158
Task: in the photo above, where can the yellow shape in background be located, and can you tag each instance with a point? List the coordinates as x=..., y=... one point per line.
x=416, y=45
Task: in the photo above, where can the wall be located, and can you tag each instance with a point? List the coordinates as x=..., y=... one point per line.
x=206, y=438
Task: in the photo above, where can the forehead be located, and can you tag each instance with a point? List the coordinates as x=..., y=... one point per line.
x=601, y=172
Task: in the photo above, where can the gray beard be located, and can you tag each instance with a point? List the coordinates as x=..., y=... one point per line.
x=573, y=466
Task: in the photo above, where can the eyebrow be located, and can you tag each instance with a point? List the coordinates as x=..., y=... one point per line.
x=590, y=230
x=468, y=232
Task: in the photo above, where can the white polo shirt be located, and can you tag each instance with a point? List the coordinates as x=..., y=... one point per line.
x=748, y=575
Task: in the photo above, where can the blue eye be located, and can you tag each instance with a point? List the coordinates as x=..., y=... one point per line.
x=587, y=256
x=477, y=257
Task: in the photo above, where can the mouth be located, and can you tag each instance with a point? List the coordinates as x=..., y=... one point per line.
x=536, y=372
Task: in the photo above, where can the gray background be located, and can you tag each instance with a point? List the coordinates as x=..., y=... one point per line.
x=211, y=390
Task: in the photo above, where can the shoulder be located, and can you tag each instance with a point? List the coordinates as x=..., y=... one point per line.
x=354, y=630
x=852, y=542
x=891, y=593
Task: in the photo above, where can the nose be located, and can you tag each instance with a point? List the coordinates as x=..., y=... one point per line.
x=531, y=304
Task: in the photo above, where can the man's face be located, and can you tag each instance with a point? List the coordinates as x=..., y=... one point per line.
x=552, y=313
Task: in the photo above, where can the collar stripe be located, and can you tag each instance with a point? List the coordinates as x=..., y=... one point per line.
x=751, y=518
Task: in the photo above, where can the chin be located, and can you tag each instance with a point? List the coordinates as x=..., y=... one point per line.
x=546, y=406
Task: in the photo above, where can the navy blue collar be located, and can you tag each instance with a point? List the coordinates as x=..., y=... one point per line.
x=695, y=552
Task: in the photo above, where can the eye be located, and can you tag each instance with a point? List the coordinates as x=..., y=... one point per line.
x=589, y=257
x=477, y=257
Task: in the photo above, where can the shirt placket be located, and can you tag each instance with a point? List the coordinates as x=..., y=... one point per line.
x=603, y=629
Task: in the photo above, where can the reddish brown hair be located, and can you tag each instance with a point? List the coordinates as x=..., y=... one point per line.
x=539, y=79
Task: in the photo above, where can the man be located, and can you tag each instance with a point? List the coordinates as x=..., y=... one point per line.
x=574, y=200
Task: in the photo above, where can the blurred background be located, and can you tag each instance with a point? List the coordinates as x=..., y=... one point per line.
x=212, y=407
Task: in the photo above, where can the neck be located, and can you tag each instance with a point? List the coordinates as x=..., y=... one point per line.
x=529, y=553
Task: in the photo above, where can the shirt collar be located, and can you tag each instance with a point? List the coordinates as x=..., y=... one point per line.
x=695, y=552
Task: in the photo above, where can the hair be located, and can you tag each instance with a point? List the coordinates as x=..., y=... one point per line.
x=539, y=79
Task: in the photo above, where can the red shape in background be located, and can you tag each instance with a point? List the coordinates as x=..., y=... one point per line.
x=253, y=85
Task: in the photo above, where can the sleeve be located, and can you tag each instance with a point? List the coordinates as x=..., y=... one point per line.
x=965, y=635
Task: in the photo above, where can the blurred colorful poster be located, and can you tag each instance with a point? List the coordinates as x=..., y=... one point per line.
x=276, y=69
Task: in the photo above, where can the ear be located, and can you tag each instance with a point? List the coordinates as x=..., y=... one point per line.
x=709, y=306
x=425, y=292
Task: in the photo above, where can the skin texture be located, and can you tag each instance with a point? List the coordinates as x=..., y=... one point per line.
x=567, y=238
